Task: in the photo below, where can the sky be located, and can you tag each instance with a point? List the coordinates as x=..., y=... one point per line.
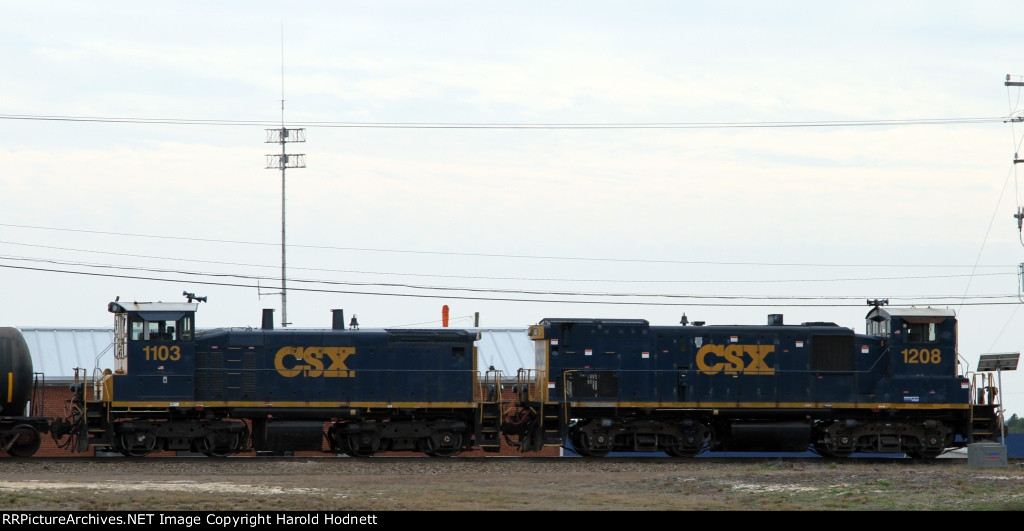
x=515, y=161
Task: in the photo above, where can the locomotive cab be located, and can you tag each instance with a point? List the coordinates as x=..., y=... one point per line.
x=923, y=339
x=154, y=350
x=912, y=325
x=923, y=365
x=128, y=409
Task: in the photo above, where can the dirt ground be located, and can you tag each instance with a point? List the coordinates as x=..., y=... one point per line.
x=504, y=484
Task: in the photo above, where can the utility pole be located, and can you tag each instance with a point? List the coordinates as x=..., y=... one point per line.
x=1016, y=159
x=283, y=136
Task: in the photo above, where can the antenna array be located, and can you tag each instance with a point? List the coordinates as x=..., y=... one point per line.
x=283, y=161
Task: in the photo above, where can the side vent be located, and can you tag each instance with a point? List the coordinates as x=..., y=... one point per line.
x=832, y=353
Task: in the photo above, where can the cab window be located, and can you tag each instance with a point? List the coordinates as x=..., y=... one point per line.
x=137, y=329
x=161, y=330
x=878, y=328
x=186, y=328
x=921, y=333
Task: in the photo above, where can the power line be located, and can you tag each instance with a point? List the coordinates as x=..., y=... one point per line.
x=501, y=255
x=444, y=125
x=448, y=290
x=690, y=300
x=483, y=277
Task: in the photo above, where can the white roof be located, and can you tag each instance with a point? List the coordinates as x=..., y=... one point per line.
x=56, y=352
x=920, y=312
x=911, y=312
x=154, y=306
x=506, y=349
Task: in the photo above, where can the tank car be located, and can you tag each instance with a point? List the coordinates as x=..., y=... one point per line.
x=228, y=390
x=622, y=385
x=19, y=428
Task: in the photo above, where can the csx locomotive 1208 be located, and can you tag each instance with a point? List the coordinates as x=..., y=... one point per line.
x=617, y=385
x=598, y=386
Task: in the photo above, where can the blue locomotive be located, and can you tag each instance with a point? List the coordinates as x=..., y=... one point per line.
x=222, y=391
x=597, y=386
x=620, y=385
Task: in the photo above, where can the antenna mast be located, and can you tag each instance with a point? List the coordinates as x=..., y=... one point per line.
x=282, y=136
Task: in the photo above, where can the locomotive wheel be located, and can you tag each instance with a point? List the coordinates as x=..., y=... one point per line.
x=686, y=445
x=208, y=445
x=576, y=438
x=444, y=444
x=361, y=444
x=840, y=447
x=129, y=449
x=931, y=447
x=26, y=441
x=591, y=447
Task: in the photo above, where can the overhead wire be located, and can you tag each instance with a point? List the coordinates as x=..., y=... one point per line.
x=687, y=300
x=504, y=255
x=447, y=290
x=412, y=125
x=483, y=277
x=443, y=125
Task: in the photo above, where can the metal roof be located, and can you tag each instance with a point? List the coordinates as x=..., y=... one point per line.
x=915, y=312
x=56, y=352
x=119, y=307
x=505, y=349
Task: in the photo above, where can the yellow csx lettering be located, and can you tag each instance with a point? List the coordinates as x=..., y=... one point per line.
x=309, y=361
x=712, y=359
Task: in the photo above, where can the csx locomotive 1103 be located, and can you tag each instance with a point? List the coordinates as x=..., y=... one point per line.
x=616, y=385
x=224, y=391
x=597, y=386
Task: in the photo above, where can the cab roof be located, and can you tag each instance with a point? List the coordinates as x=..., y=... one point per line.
x=911, y=312
x=176, y=307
